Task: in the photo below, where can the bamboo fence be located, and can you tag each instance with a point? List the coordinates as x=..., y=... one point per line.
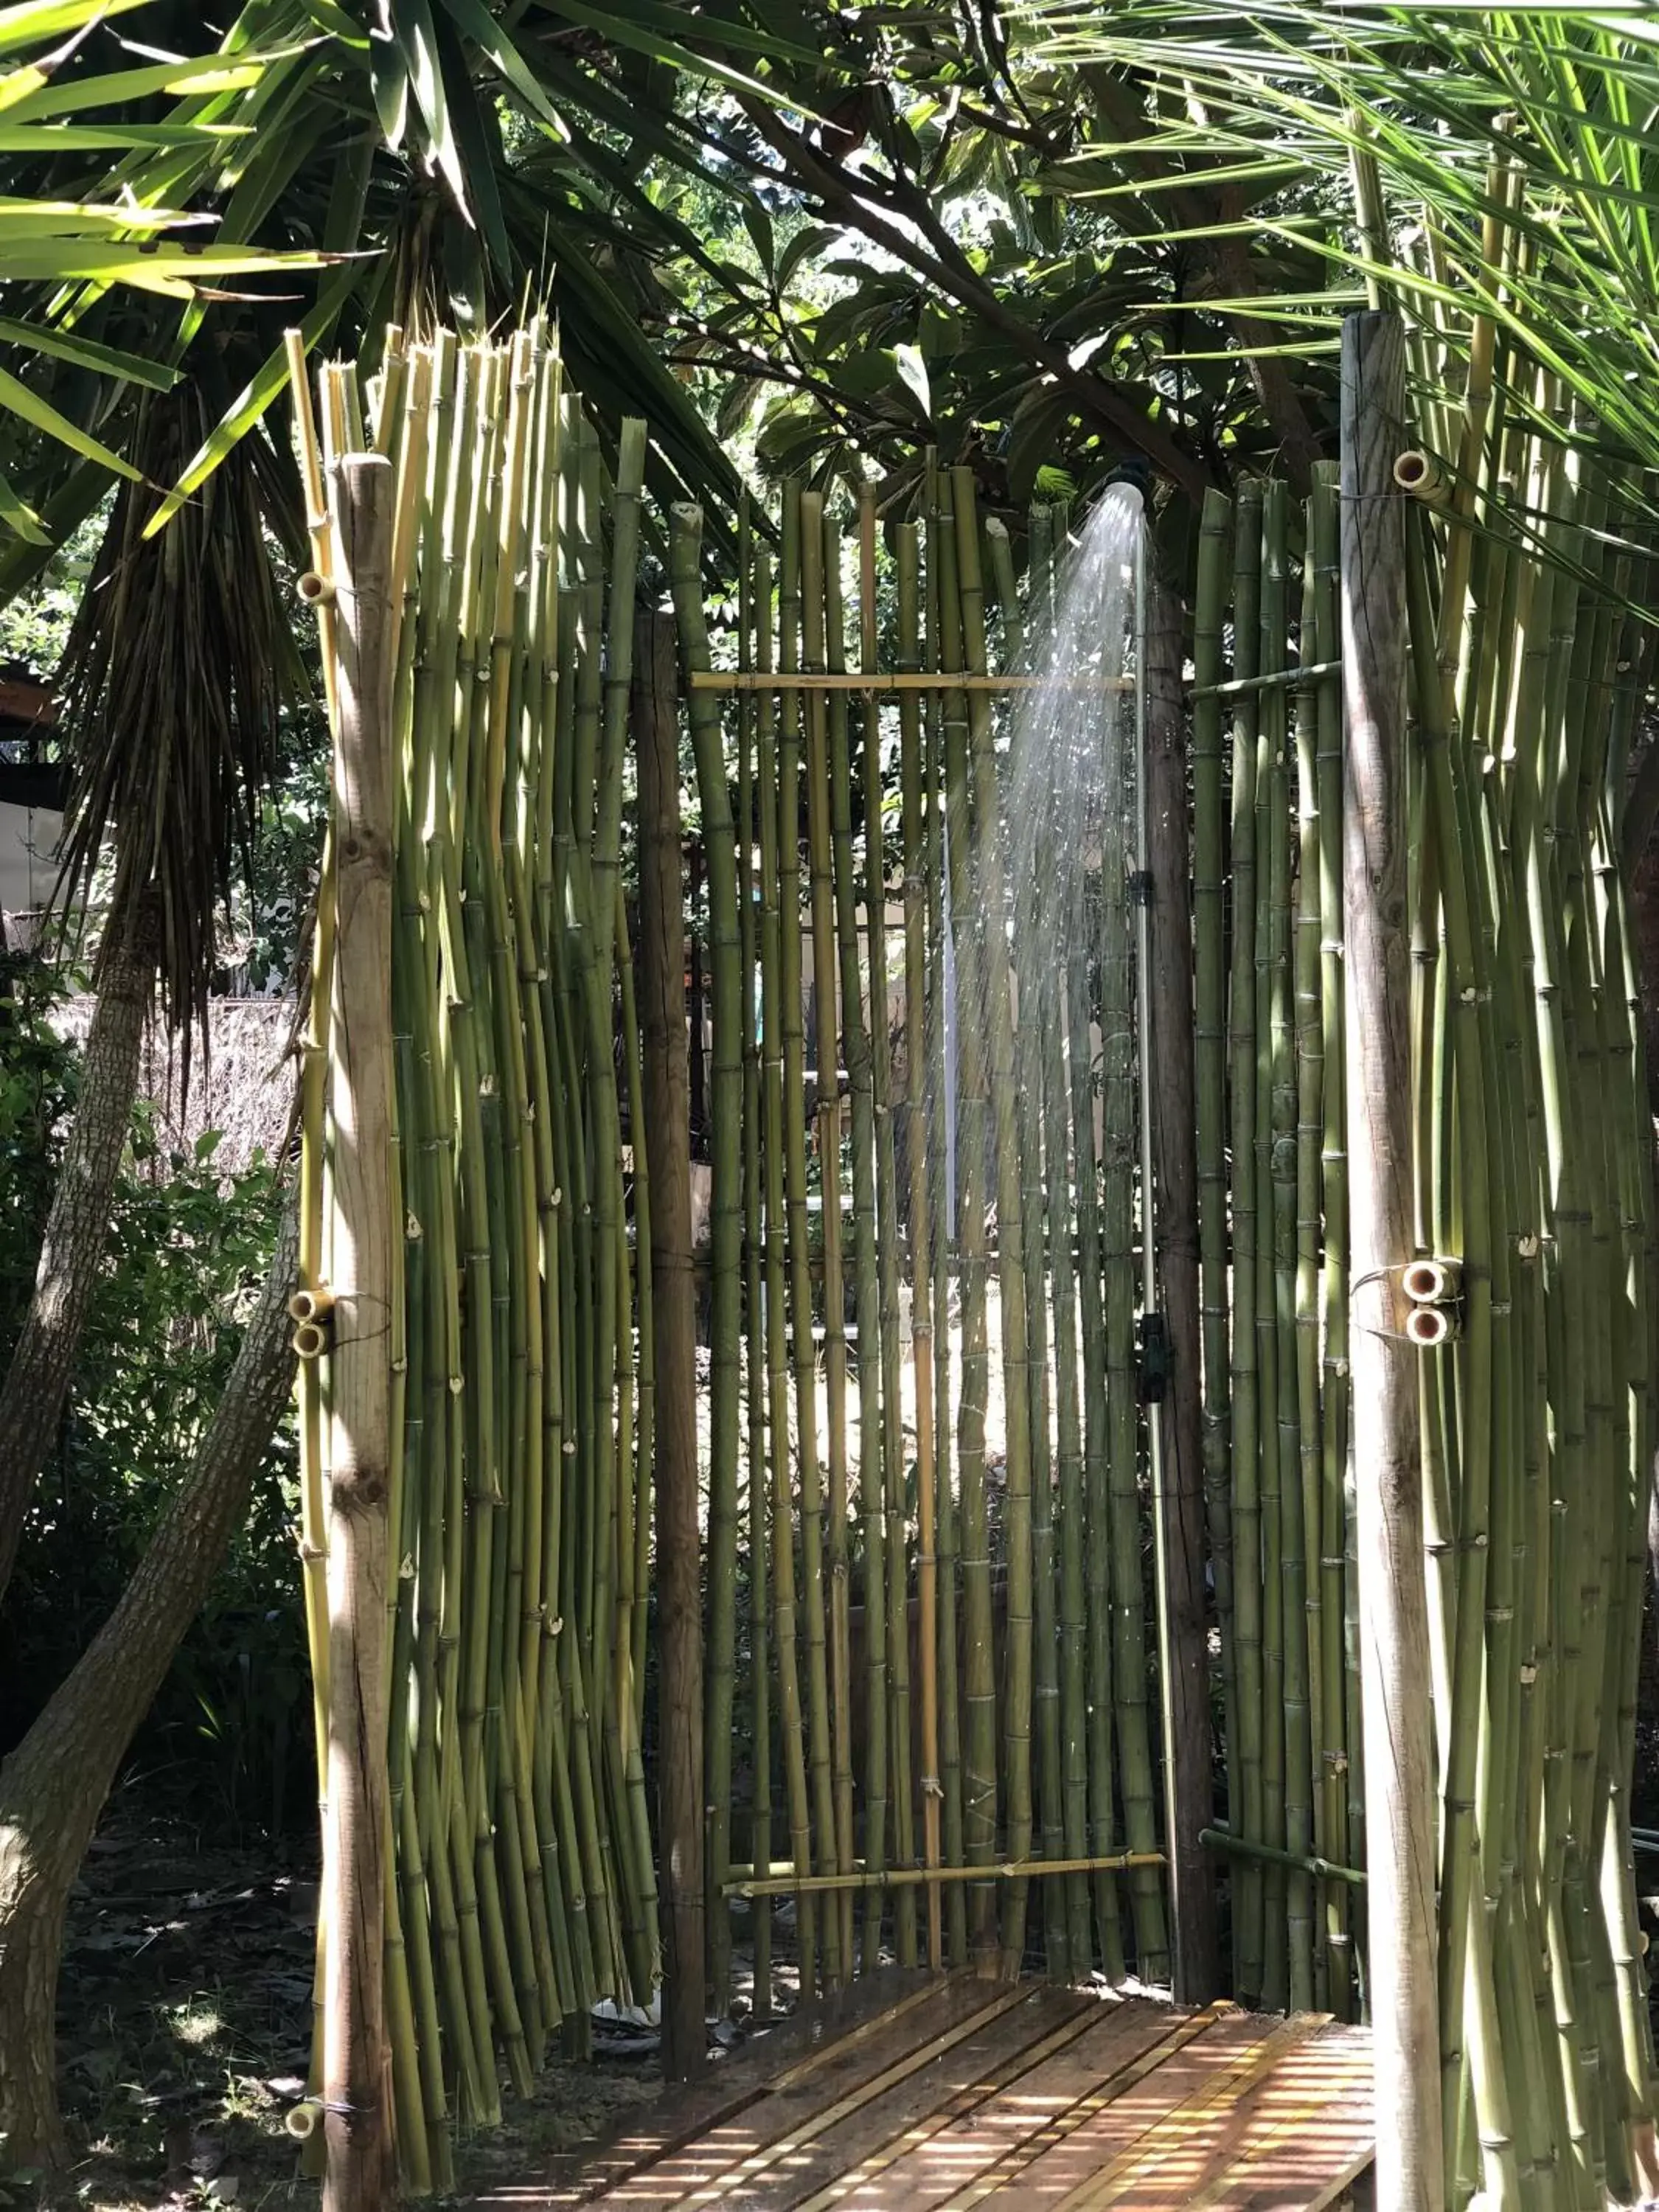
x=517, y=1588
x=929, y=1592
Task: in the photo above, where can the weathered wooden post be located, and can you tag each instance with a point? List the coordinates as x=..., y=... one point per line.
x=1399, y=1787
x=1174, y=1119
x=667, y=1138
x=360, y=2173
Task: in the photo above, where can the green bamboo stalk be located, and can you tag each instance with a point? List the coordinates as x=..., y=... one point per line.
x=887, y=1244
x=856, y=1053
x=916, y=845
x=1634, y=1175
x=1072, y=1529
x=1099, y=1529
x=821, y=852
x=1463, y=1922
x=513, y=1817
x=1272, y=1060
x=1336, y=1737
x=774, y=1030
x=499, y=1873
x=790, y=607
x=941, y=1121
x=1067, y=1629
x=753, y=612
x=644, y=1431
x=979, y=1761
x=1011, y=1258
x=461, y=1964
x=1250, y=1723
x=1296, y=1079
x=613, y=1349
x=1028, y=779
x=1210, y=1045
x=1130, y=1646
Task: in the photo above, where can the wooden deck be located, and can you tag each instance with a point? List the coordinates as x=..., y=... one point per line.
x=959, y=2092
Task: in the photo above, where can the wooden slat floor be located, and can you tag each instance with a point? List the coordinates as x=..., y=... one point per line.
x=957, y=2092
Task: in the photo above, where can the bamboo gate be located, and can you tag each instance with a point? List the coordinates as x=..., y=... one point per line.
x=936, y=1725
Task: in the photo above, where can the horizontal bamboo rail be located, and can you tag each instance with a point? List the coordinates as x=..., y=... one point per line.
x=912, y=1877
x=1240, y=1847
x=904, y=679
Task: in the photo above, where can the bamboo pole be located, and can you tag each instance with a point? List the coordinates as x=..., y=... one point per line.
x=1119, y=1123
x=892, y=682
x=1287, y=1915
x=915, y=847
x=821, y=860
x=1166, y=980
x=1028, y=777
x=1247, y=1723
x=978, y=1759
x=856, y=1053
x=667, y=1138
x=1394, y=1618
x=941, y=1142
x=887, y=1245
x=821, y=1757
x=755, y=614
x=772, y=1032
x=997, y=1003
x=726, y=1231
x=1209, y=1098
x=356, y=2083
x=1336, y=1784
x=901, y=1878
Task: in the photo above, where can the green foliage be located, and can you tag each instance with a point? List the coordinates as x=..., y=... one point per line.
x=1515, y=172
x=90, y=235
x=35, y=626
x=189, y=1244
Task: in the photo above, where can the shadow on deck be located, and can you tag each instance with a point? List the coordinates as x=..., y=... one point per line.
x=933, y=2095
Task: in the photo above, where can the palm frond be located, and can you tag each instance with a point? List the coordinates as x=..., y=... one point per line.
x=173, y=681
x=1520, y=175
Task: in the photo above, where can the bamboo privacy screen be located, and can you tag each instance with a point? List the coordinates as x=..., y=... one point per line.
x=521, y=1333
x=1532, y=1299
x=944, y=1565
x=931, y=1688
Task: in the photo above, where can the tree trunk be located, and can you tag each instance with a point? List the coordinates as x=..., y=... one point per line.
x=53, y=1786
x=357, y=2117
x=699, y=1076
x=72, y=1250
x=1175, y=1166
x=667, y=1137
x=1400, y=1776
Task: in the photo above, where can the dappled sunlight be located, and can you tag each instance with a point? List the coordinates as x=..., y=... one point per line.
x=1041, y=2097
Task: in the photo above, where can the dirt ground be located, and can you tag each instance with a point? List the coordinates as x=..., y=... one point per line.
x=183, y=2018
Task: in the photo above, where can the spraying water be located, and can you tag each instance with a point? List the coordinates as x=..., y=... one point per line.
x=1071, y=791
x=1069, y=798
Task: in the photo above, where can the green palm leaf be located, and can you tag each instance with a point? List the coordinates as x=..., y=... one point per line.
x=1551, y=98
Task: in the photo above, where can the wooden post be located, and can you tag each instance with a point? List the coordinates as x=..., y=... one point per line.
x=1189, y=1753
x=1399, y=1782
x=359, y=2174
x=668, y=1151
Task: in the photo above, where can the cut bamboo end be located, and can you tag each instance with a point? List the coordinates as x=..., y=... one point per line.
x=300, y=2120
x=1422, y=476
x=311, y=1304
x=1431, y=1282
x=315, y=590
x=1430, y=1326
x=310, y=1339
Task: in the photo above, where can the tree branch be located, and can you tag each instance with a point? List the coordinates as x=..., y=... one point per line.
x=1229, y=265
x=949, y=271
